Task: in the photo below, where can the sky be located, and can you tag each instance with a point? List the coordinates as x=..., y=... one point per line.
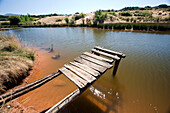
x=70, y=6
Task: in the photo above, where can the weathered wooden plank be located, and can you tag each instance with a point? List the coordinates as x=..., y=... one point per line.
x=22, y=90
x=64, y=101
x=88, y=77
x=86, y=68
x=91, y=64
x=105, y=54
x=76, y=79
x=102, y=63
x=110, y=51
x=98, y=57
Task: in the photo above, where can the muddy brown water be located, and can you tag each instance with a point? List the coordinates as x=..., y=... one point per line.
x=142, y=83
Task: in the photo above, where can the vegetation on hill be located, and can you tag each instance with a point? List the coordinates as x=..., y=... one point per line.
x=77, y=17
x=148, y=14
x=127, y=13
x=99, y=17
x=26, y=20
x=67, y=20
x=14, y=20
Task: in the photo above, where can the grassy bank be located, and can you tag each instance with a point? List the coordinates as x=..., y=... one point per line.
x=114, y=26
x=15, y=62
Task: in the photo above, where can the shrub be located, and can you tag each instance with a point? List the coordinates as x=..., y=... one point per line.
x=30, y=55
x=127, y=13
x=99, y=17
x=83, y=21
x=113, y=13
x=111, y=18
x=136, y=11
x=72, y=21
x=127, y=19
x=139, y=18
x=27, y=18
x=132, y=19
x=39, y=23
x=5, y=23
x=3, y=19
x=77, y=13
x=166, y=18
x=67, y=20
x=14, y=20
x=79, y=16
x=58, y=20
x=10, y=48
x=88, y=21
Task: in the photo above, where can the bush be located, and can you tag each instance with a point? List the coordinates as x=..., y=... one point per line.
x=25, y=23
x=5, y=23
x=166, y=18
x=14, y=20
x=127, y=19
x=83, y=21
x=111, y=18
x=127, y=13
x=132, y=19
x=113, y=13
x=27, y=18
x=39, y=23
x=58, y=20
x=30, y=55
x=3, y=19
x=72, y=21
x=79, y=16
x=66, y=19
x=145, y=14
x=99, y=17
x=10, y=48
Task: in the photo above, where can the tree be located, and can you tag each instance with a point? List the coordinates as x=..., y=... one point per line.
x=99, y=17
x=66, y=19
x=14, y=20
x=83, y=21
x=72, y=21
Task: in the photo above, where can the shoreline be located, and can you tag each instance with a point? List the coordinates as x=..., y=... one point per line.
x=60, y=86
x=17, y=63
x=14, y=105
x=115, y=30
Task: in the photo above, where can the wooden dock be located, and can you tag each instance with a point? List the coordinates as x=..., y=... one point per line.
x=83, y=72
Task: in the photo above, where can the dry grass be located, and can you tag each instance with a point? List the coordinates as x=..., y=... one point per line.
x=15, y=62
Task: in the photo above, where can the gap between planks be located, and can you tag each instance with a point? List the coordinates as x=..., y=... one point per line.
x=98, y=57
x=86, y=76
x=110, y=51
x=105, y=54
x=77, y=80
x=102, y=63
x=86, y=68
x=90, y=64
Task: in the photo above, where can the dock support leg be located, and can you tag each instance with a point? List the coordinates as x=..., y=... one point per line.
x=116, y=67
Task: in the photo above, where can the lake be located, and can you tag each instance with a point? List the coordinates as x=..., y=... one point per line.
x=142, y=83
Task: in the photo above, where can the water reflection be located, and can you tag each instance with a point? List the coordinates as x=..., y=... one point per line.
x=99, y=36
x=98, y=98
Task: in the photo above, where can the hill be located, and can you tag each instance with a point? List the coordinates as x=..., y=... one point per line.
x=147, y=14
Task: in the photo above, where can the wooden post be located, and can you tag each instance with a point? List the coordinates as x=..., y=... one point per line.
x=116, y=66
x=51, y=48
